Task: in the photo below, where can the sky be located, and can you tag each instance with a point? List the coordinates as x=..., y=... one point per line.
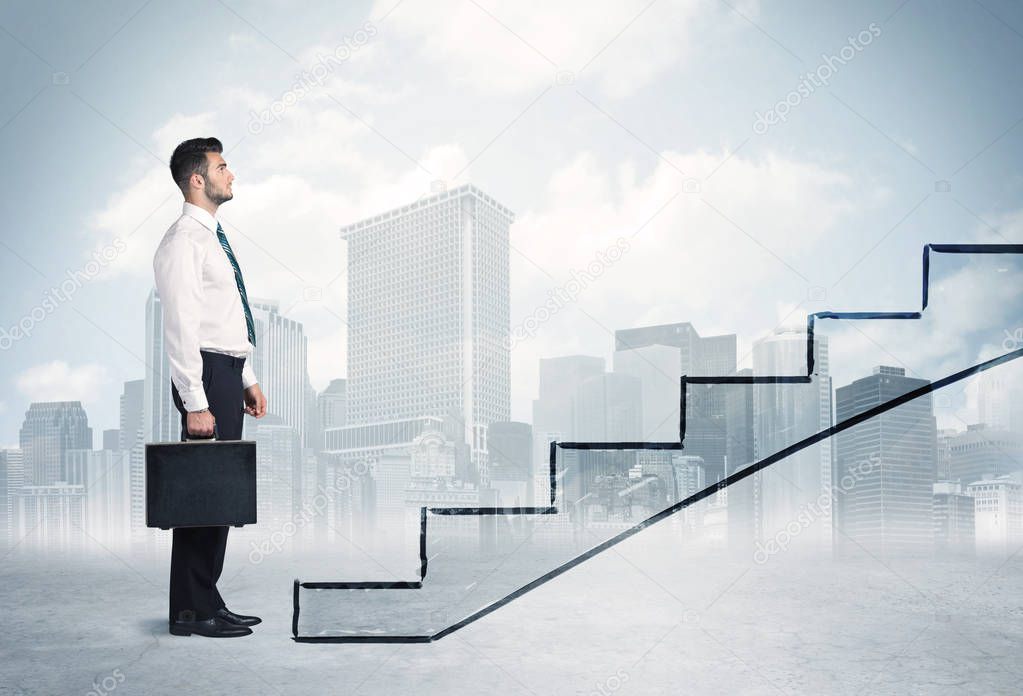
x=760, y=160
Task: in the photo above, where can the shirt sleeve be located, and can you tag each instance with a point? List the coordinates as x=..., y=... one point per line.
x=248, y=373
x=178, y=270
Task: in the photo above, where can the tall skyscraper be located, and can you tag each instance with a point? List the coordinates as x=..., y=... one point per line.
x=133, y=432
x=50, y=429
x=136, y=427
x=280, y=362
x=161, y=419
x=12, y=478
x=132, y=408
x=799, y=486
x=885, y=466
x=429, y=316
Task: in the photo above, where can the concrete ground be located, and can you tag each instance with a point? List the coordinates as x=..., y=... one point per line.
x=642, y=618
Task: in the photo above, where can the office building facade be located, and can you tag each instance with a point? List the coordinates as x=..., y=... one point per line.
x=886, y=465
x=49, y=430
x=429, y=314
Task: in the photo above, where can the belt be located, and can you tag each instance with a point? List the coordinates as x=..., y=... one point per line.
x=224, y=358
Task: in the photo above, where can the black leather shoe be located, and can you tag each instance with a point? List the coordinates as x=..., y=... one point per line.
x=230, y=617
x=212, y=627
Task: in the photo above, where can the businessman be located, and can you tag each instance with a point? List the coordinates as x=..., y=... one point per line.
x=209, y=337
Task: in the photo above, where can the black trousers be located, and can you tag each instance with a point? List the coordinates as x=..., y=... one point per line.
x=197, y=553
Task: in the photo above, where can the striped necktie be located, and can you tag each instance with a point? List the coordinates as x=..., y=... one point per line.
x=241, y=283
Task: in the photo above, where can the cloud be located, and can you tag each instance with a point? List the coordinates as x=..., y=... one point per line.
x=58, y=381
x=180, y=127
x=687, y=259
x=735, y=232
x=503, y=48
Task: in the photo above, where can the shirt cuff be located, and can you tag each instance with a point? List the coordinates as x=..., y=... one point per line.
x=248, y=374
x=194, y=400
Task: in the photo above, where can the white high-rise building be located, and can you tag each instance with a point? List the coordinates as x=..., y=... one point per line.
x=161, y=420
x=12, y=478
x=279, y=361
x=132, y=416
x=135, y=432
x=49, y=430
x=429, y=314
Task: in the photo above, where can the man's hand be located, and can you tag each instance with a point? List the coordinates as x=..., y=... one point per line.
x=199, y=423
x=255, y=402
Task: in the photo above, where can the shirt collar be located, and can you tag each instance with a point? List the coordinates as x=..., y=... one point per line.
x=201, y=215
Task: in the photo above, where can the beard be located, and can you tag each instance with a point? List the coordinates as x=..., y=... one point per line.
x=216, y=196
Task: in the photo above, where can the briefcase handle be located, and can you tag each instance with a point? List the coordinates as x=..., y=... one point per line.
x=189, y=436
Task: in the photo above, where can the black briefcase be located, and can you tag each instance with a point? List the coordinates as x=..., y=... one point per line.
x=200, y=483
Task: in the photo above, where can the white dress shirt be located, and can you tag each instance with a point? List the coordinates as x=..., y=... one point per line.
x=202, y=308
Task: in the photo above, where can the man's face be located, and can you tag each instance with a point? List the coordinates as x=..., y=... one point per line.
x=218, y=179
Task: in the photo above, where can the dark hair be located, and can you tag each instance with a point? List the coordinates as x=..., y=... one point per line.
x=190, y=158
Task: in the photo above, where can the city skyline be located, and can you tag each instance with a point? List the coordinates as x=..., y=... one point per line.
x=988, y=396
x=968, y=465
